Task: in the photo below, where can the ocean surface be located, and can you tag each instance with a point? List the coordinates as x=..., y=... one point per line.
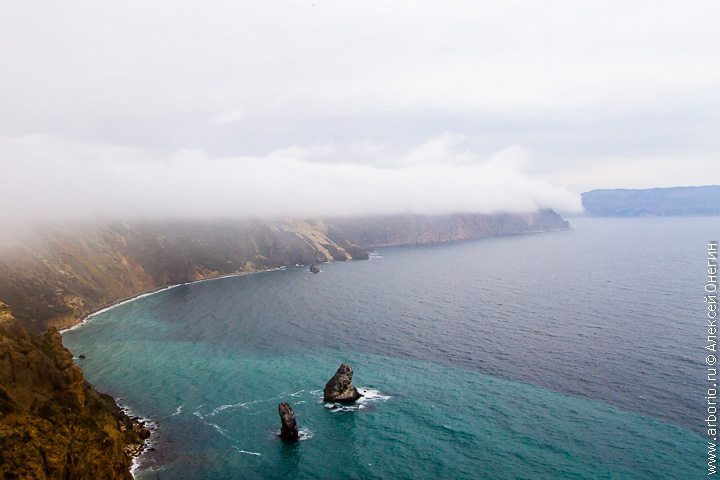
x=576, y=354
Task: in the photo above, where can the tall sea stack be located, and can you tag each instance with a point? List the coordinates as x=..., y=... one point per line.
x=289, y=429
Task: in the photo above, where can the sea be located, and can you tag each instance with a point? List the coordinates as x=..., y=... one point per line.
x=567, y=355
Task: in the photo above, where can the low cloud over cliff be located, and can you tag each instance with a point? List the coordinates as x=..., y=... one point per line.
x=49, y=178
x=101, y=100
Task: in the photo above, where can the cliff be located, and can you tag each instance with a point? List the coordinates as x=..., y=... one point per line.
x=676, y=201
x=393, y=230
x=53, y=424
x=61, y=276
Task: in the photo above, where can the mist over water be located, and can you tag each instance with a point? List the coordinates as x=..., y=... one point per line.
x=562, y=355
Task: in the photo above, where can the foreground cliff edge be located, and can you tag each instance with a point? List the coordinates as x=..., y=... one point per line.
x=53, y=424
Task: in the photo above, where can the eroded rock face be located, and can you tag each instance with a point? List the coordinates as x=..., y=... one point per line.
x=53, y=423
x=63, y=275
x=340, y=387
x=289, y=429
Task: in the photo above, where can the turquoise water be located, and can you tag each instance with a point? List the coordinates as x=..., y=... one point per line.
x=477, y=362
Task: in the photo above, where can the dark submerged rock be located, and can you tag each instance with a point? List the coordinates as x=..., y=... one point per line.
x=340, y=388
x=82, y=357
x=289, y=429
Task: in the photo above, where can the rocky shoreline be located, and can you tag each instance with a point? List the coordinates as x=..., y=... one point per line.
x=66, y=278
x=53, y=423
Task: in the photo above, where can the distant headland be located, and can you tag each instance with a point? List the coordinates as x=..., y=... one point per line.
x=653, y=202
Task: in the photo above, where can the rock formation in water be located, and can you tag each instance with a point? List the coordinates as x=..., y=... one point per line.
x=314, y=268
x=288, y=429
x=53, y=424
x=340, y=387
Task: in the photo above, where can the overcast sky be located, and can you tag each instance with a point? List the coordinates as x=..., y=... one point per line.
x=477, y=105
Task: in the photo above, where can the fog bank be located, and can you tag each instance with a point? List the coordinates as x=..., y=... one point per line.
x=48, y=178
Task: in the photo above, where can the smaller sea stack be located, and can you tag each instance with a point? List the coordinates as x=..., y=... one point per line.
x=289, y=429
x=314, y=268
x=340, y=387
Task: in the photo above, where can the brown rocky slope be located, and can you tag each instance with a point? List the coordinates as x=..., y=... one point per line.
x=53, y=424
x=61, y=276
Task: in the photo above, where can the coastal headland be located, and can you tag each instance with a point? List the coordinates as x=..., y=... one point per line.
x=53, y=423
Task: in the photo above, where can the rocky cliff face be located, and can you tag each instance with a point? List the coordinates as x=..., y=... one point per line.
x=421, y=229
x=64, y=275
x=288, y=425
x=340, y=387
x=53, y=424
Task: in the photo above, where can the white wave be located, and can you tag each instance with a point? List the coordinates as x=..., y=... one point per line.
x=115, y=305
x=154, y=292
x=221, y=408
x=178, y=411
x=296, y=393
x=151, y=425
x=248, y=453
x=372, y=395
x=215, y=426
x=135, y=465
x=148, y=422
x=341, y=407
x=220, y=430
x=305, y=434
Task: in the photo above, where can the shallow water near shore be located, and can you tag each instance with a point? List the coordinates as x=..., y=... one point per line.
x=563, y=355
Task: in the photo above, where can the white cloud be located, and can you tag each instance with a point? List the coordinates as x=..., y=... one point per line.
x=637, y=172
x=372, y=85
x=81, y=181
x=233, y=116
x=438, y=149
